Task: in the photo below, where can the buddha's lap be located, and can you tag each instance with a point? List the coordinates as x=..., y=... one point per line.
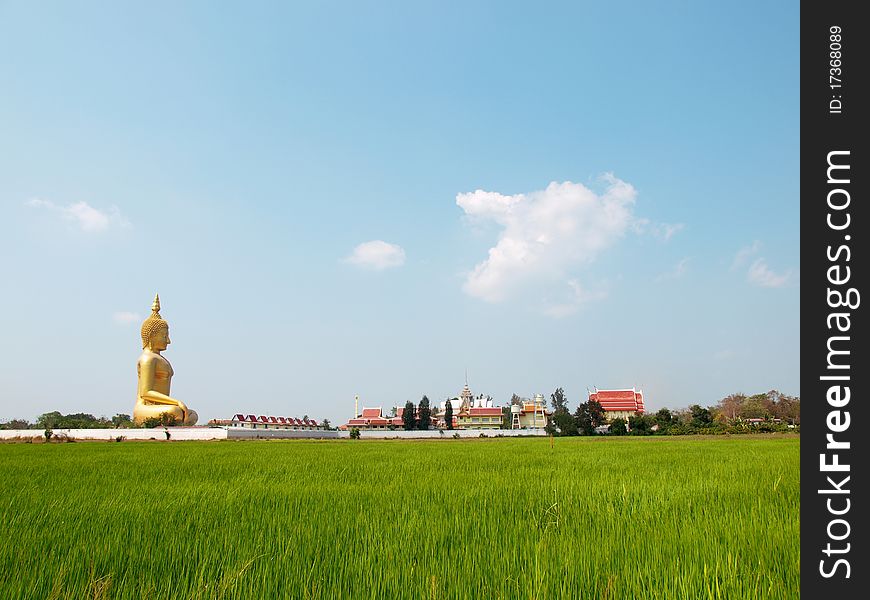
x=157, y=409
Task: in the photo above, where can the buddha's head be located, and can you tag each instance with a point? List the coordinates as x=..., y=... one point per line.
x=155, y=331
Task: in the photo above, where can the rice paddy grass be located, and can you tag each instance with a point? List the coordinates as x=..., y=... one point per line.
x=598, y=518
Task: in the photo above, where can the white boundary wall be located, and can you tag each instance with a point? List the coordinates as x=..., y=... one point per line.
x=243, y=433
x=175, y=434
x=240, y=433
x=445, y=434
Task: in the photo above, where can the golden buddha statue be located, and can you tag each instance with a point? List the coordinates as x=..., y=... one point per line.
x=155, y=374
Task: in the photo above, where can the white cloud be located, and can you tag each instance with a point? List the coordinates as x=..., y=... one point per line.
x=678, y=271
x=85, y=216
x=666, y=231
x=125, y=318
x=662, y=231
x=377, y=255
x=760, y=274
x=744, y=253
x=545, y=234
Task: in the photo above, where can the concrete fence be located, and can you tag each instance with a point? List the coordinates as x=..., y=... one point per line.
x=445, y=434
x=241, y=433
x=175, y=434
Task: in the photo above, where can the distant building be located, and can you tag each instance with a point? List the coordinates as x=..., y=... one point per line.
x=373, y=418
x=267, y=422
x=619, y=404
x=469, y=412
x=530, y=414
x=478, y=417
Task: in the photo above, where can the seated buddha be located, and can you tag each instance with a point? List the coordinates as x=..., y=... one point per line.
x=155, y=374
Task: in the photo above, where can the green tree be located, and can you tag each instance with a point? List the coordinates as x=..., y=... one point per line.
x=165, y=420
x=582, y=419
x=755, y=407
x=326, y=425
x=122, y=420
x=409, y=420
x=424, y=414
x=664, y=419
x=49, y=420
x=597, y=416
x=168, y=419
x=506, y=417
x=639, y=424
x=564, y=422
x=701, y=417
x=561, y=422
x=151, y=422
x=448, y=414
x=789, y=409
x=55, y=420
x=617, y=427
x=559, y=401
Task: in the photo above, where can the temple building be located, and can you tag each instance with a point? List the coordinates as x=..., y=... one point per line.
x=470, y=411
x=373, y=418
x=619, y=404
x=267, y=422
x=530, y=414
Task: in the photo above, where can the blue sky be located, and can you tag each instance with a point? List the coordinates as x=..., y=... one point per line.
x=337, y=199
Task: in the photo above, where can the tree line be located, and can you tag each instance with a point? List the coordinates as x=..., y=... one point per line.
x=56, y=420
x=420, y=417
x=735, y=413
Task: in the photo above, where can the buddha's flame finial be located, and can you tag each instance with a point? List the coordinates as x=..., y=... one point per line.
x=153, y=322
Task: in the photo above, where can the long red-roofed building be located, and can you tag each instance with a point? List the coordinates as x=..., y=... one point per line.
x=266, y=422
x=619, y=404
x=373, y=418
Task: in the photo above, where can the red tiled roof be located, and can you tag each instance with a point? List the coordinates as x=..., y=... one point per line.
x=619, y=400
x=358, y=422
x=274, y=420
x=369, y=413
x=485, y=412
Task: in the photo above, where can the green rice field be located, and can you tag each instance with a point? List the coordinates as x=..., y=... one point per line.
x=614, y=518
